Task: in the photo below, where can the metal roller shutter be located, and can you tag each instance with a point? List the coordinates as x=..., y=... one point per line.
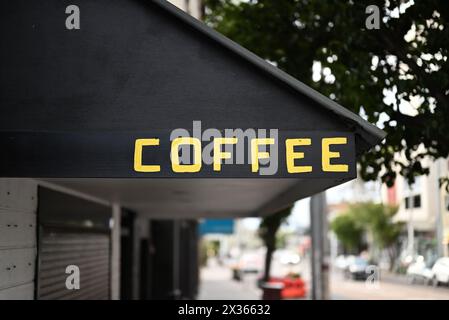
x=88, y=251
x=72, y=231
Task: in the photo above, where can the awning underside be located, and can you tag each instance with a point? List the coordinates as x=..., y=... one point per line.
x=197, y=198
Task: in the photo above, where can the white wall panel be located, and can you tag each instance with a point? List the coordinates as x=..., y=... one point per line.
x=23, y=292
x=17, y=229
x=18, y=205
x=16, y=267
x=18, y=195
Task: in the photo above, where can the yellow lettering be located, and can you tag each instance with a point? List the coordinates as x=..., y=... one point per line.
x=328, y=155
x=138, y=149
x=218, y=154
x=291, y=155
x=256, y=155
x=175, y=164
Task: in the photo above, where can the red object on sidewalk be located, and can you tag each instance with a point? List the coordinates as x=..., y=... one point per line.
x=293, y=287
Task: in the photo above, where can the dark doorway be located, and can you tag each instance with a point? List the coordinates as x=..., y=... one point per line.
x=126, y=255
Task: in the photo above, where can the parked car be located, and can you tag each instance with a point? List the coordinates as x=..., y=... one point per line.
x=250, y=262
x=287, y=257
x=357, y=268
x=341, y=262
x=420, y=271
x=440, y=272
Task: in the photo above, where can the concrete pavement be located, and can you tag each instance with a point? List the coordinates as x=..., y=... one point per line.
x=390, y=288
x=217, y=284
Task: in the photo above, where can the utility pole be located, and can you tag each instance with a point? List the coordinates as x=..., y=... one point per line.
x=176, y=294
x=320, y=247
x=439, y=218
x=410, y=228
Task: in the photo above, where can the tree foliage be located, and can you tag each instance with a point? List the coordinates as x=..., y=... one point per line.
x=374, y=219
x=396, y=77
x=348, y=231
x=378, y=220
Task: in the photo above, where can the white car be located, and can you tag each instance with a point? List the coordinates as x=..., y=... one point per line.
x=357, y=268
x=440, y=271
x=342, y=262
x=287, y=257
x=420, y=271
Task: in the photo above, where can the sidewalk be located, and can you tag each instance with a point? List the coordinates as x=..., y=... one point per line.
x=390, y=287
x=390, y=277
x=216, y=284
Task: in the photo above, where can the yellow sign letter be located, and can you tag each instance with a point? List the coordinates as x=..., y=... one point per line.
x=218, y=154
x=328, y=155
x=138, y=166
x=256, y=154
x=176, y=166
x=291, y=155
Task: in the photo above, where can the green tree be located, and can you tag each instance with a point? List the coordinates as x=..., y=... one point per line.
x=378, y=220
x=373, y=219
x=267, y=232
x=349, y=231
x=371, y=72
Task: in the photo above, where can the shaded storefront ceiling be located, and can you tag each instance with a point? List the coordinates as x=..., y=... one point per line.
x=197, y=198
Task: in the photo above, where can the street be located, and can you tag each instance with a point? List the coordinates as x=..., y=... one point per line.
x=391, y=288
x=216, y=284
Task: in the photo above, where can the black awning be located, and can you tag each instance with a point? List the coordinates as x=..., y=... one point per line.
x=75, y=103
